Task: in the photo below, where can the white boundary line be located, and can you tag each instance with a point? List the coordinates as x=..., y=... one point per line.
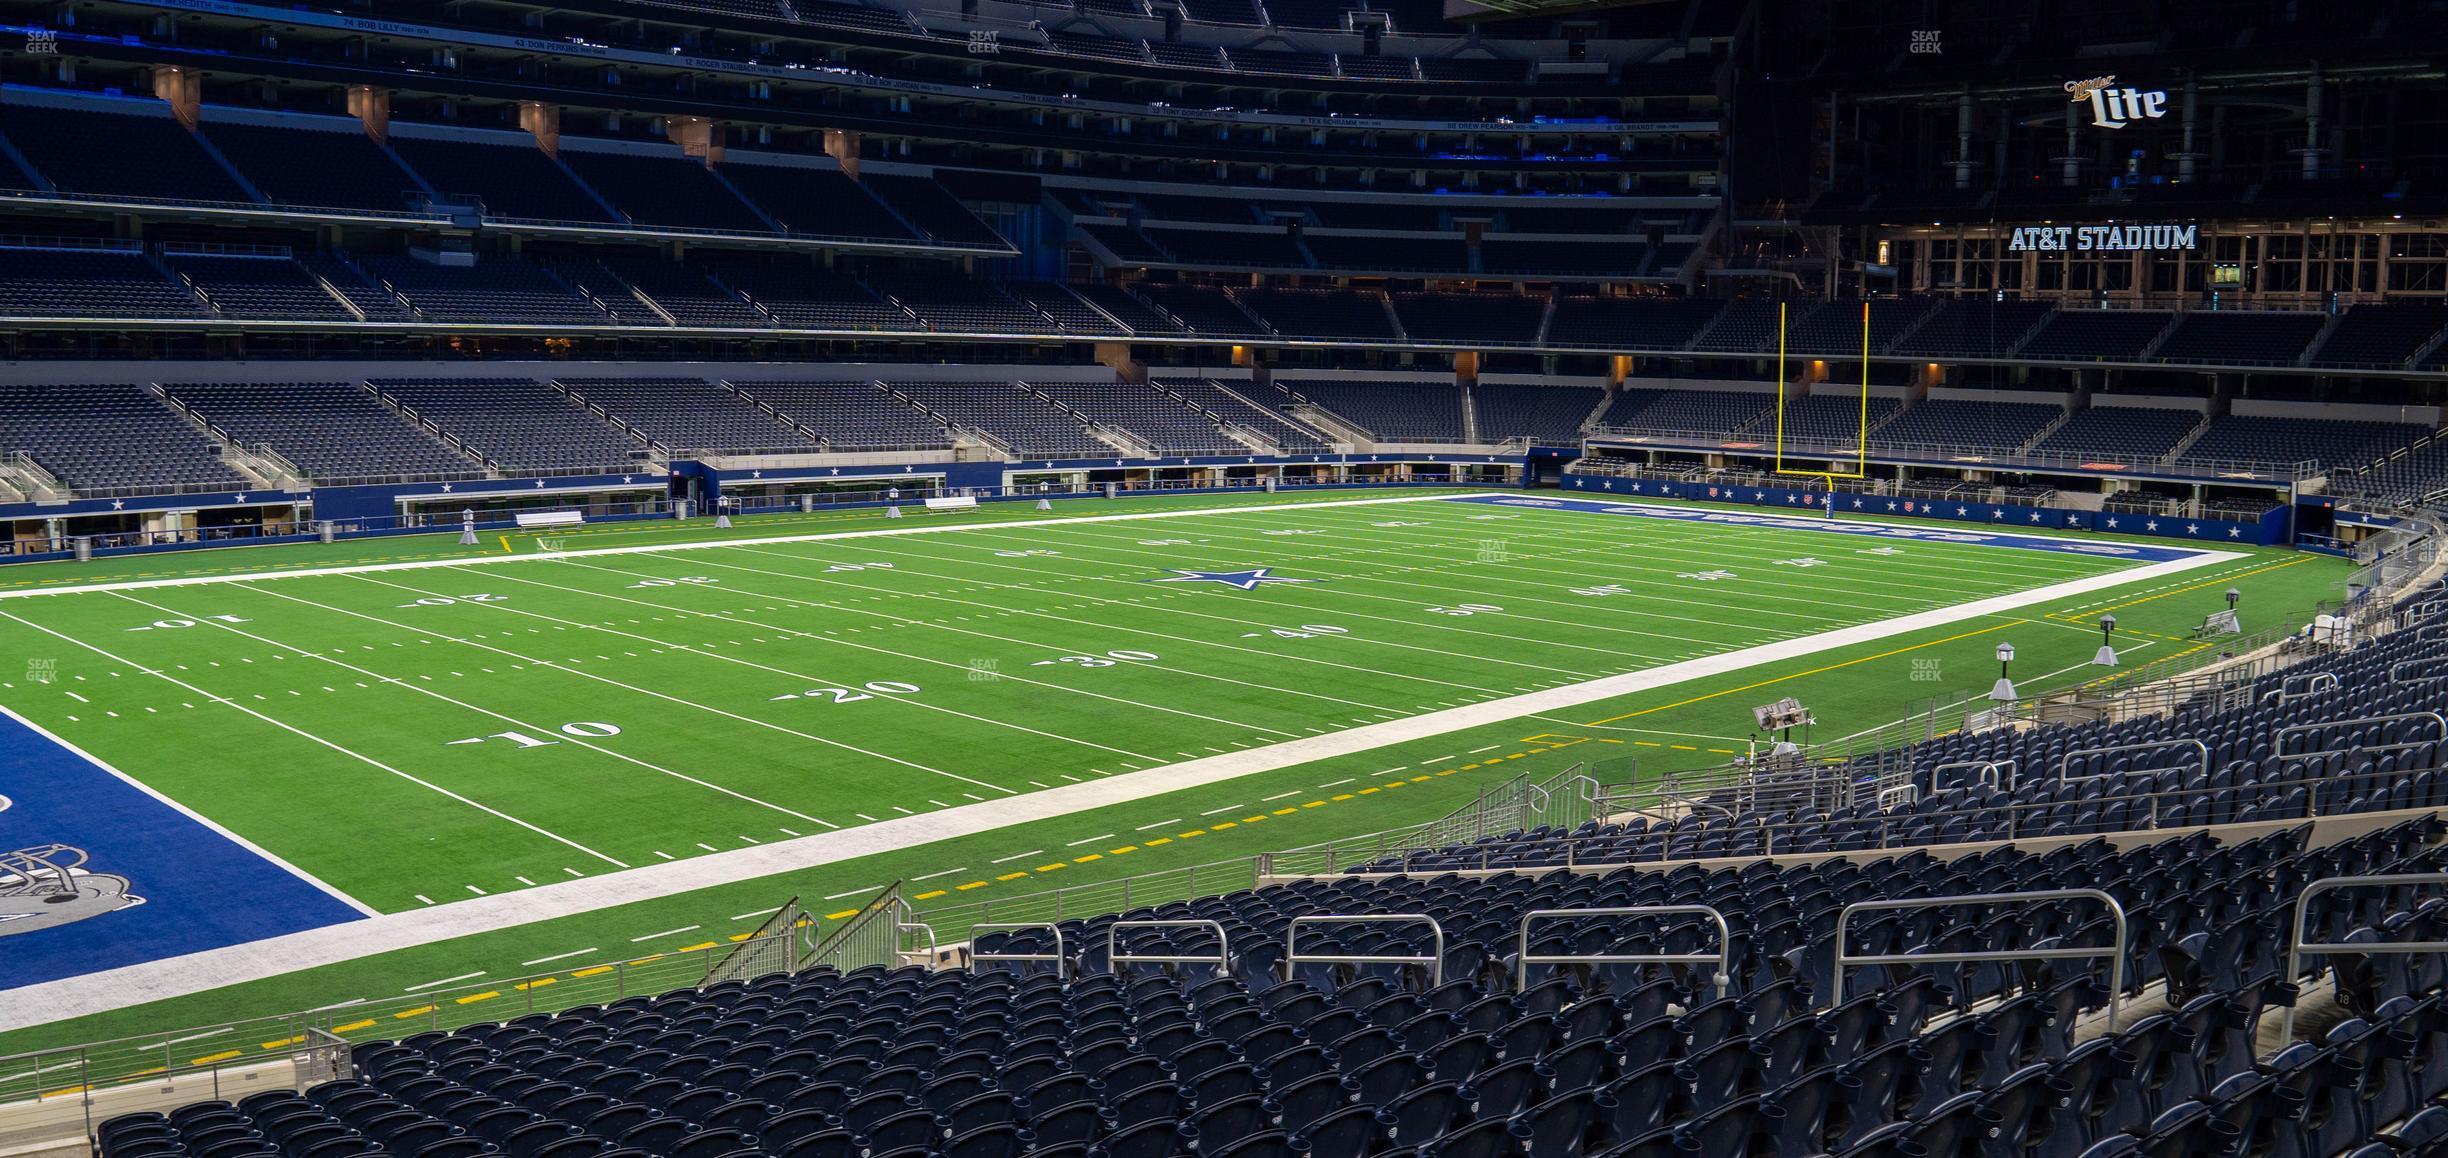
x=664, y=548
x=268, y=856
x=196, y=972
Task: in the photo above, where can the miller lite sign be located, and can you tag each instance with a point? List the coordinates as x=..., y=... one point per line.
x=2114, y=107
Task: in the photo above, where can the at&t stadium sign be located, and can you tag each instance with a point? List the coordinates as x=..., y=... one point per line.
x=2103, y=238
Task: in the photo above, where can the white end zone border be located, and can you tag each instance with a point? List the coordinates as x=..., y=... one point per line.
x=252, y=848
x=212, y=969
x=704, y=544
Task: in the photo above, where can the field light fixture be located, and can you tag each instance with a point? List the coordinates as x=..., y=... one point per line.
x=2004, y=690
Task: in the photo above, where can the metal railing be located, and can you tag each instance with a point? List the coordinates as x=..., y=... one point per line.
x=1100, y=898
x=2278, y=741
x=1435, y=961
x=2065, y=763
x=2115, y=952
x=1723, y=958
x=873, y=937
x=2113, y=812
x=1115, y=957
x=231, y=1053
x=1058, y=958
x=768, y=949
x=1517, y=804
x=1988, y=457
x=2298, y=948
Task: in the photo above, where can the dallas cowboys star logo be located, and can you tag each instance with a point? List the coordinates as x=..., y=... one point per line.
x=1242, y=580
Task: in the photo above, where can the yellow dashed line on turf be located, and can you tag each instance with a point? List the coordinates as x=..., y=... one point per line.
x=1799, y=675
x=283, y=1043
x=224, y=1055
x=694, y=948
x=593, y=971
x=354, y=1026
x=419, y=1011
x=839, y=915
x=1551, y=743
x=473, y=998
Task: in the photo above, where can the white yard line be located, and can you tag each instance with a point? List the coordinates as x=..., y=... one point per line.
x=212, y=969
x=561, y=736
x=976, y=606
x=444, y=981
x=1015, y=677
x=1289, y=559
x=214, y=827
x=667, y=548
x=1149, y=632
x=304, y=734
x=687, y=649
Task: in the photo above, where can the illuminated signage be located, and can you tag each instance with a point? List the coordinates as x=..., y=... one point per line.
x=2114, y=107
x=2103, y=238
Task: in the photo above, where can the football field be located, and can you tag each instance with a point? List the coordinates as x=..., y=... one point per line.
x=365, y=758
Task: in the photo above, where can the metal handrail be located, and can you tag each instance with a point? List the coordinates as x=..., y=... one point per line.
x=2114, y=952
x=906, y=927
x=2067, y=760
x=2278, y=741
x=1723, y=958
x=1435, y=963
x=2297, y=950
x=1990, y=456
x=1566, y=851
x=2394, y=668
x=2297, y=687
x=1061, y=961
x=1113, y=956
x=1983, y=772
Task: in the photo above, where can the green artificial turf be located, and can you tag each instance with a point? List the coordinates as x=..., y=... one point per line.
x=421, y=736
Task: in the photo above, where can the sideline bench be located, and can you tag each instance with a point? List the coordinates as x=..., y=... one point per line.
x=549, y=518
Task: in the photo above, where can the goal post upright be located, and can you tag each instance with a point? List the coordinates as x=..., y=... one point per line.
x=1861, y=433
x=1780, y=393
x=1861, y=437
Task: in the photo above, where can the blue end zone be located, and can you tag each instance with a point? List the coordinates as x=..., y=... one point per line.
x=199, y=889
x=1845, y=525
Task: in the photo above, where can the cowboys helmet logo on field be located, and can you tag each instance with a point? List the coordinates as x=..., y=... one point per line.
x=45, y=886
